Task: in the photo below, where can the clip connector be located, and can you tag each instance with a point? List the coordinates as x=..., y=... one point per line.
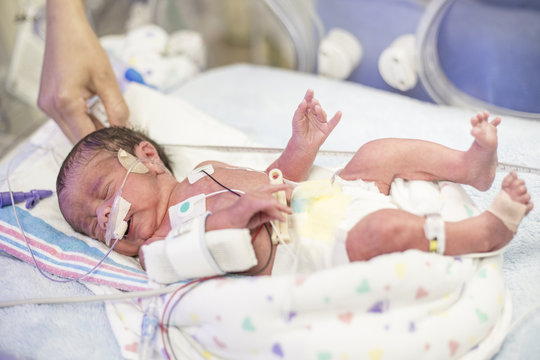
x=282, y=227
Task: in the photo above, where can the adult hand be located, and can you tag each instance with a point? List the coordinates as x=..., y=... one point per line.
x=75, y=68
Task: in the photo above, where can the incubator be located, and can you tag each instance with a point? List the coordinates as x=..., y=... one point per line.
x=449, y=57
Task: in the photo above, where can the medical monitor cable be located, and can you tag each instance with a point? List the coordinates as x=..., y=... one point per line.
x=501, y=166
x=23, y=233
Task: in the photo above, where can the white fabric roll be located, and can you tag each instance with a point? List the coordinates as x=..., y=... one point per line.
x=339, y=54
x=397, y=63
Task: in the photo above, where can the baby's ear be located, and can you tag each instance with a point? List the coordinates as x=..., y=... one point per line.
x=146, y=151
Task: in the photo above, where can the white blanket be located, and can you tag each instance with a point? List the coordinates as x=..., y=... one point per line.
x=401, y=306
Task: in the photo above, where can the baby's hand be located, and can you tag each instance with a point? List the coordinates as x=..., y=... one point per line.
x=310, y=127
x=251, y=210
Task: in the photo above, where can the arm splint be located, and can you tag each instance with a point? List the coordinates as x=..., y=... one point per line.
x=189, y=252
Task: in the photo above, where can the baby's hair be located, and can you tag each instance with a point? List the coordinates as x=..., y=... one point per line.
x=109, y=139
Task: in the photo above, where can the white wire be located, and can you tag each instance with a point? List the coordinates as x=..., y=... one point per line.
x=525, y=315
x=289, y=251
x=501, y=166
x=23, y=233
x=245, y=168
x=92, y=298
x=223, y=191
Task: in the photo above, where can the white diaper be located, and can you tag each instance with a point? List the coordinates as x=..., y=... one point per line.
x=323, y=213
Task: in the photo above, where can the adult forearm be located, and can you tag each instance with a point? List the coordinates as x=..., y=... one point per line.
x=61, y=13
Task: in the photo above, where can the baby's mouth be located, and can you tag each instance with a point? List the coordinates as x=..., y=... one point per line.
x=128, y=227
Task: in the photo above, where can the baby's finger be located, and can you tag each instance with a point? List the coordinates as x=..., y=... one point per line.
x=273, y=188
x=321, y=114
x=334, y=121
x=309, y=95
x=278, y=212
x=299, y=113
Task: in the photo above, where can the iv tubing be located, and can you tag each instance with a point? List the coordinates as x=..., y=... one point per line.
x=91, y=298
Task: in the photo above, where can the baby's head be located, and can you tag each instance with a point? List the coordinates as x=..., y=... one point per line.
x=91, y=176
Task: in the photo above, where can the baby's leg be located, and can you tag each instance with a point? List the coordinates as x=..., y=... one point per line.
x=385, y=159
x=390, y=230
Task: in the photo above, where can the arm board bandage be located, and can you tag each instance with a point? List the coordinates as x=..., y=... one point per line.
x=189, y=252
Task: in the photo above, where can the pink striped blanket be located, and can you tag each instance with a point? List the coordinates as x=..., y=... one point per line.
x=63, y=255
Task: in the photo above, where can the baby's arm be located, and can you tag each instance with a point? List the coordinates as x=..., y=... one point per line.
x=310, y=130
x=250, y=210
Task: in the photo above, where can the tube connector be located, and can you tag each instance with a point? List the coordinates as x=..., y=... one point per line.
x=32, y=197
x=281, y=227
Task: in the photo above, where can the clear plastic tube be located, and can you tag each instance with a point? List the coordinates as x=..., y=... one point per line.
x=148, y=331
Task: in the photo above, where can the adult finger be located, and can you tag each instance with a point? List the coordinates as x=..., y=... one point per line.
x=74, y=119
x=114, y=103
x=79, y=126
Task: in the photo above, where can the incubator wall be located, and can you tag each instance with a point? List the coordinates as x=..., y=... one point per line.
x=17, y=118
x=479, y=54
x=482, y=54
x=376, y=24
x=469, y=53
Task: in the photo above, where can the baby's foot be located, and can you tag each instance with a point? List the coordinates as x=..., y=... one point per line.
x=517, y=190
x=508, y=208
x=481, y=158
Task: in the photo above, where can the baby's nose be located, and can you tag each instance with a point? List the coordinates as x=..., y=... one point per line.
x=103, y=213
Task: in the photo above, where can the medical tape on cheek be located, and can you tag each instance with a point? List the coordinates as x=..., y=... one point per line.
x=117, y=225
x=510, y=212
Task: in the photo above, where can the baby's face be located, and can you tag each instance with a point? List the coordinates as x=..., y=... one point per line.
x=87, y=201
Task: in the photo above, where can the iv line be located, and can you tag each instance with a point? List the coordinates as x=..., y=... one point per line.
x=502, y=166
x=91, y=298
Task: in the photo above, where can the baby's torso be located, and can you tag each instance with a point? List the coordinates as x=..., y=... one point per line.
x=230, y=182
x=222, y=186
